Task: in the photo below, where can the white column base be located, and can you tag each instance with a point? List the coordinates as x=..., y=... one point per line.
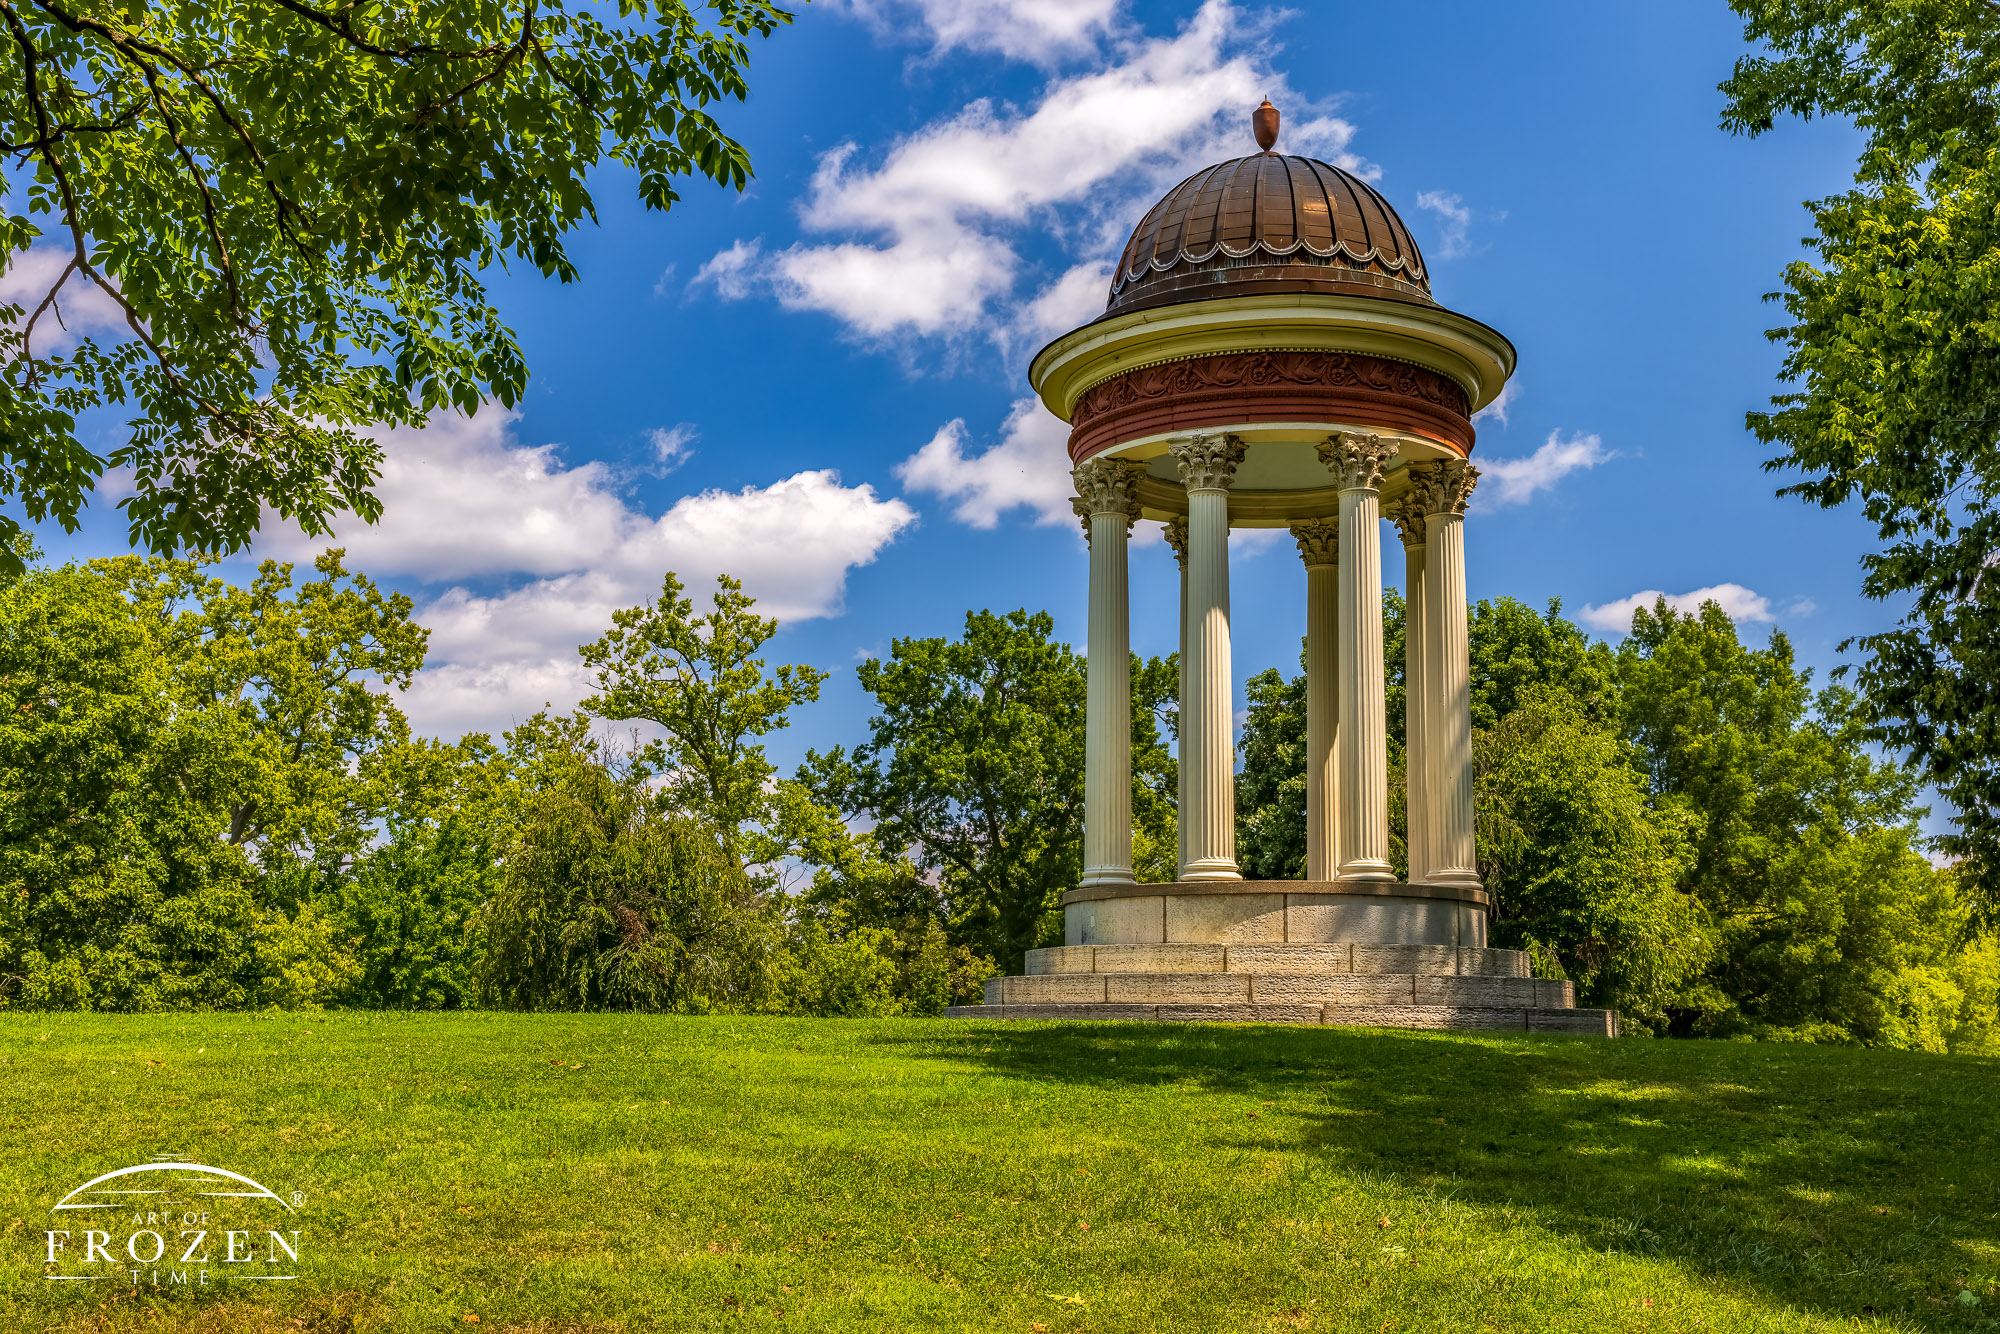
x=1211, y=868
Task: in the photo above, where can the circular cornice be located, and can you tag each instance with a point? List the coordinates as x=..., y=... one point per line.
x=1477, y=357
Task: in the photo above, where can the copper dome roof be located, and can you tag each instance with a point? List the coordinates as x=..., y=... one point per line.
x=1268, y=223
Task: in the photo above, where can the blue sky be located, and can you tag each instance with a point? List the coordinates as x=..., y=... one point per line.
x=820, y=385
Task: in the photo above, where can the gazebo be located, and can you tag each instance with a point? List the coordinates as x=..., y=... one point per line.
x=1271, y=357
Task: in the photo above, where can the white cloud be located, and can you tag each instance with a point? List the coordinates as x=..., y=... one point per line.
x=1076, y=298
x=462, y=500
x=928, y=237
x=81, y=309
x=1500, y=404
x=729, y=272
x=1037, y=31
x=1515, y=481
x=672, y=445
x=1454, y=220
x=1029, y=467
x=1737, y=602
x=1248, y=542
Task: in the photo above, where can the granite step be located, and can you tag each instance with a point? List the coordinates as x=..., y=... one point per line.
x=1495, y=1019
x=1311, y=989
x=1278, y=959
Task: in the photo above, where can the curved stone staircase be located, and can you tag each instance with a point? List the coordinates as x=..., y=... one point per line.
x=1383, y=986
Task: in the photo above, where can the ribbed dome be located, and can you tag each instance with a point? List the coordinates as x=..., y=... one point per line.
x=1268, y=223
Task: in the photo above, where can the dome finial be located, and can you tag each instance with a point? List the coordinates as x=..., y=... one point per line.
x=1264, y=124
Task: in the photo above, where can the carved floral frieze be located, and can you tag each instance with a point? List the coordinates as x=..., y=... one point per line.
x=1238, y=371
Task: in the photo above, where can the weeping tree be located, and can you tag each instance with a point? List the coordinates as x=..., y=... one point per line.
x=612, y=899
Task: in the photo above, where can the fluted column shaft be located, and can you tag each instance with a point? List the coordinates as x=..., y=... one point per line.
x=1454, y=851
x=1418, y=691
x=1319, y=548
x=1176, y=534
x=1107, y=502
x=1356, y=461
x=1208, y=811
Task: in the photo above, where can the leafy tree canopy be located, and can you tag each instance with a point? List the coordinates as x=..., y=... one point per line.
x=699, y=680
x=181, y=761
x=1892, y=331
x=974, y=771
x=289, y=207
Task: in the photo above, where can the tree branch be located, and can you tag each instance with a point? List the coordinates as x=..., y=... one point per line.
x=513, y=53
x=28, y=331
x=135, y=51
x=337, y=25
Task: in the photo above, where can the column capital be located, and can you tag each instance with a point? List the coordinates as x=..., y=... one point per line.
x=1176, y=532
x=1108, y=486
x=1319, y=541
x=1411, y=514
x=1356, y=459
x=1207, y=461
x=1443, y=488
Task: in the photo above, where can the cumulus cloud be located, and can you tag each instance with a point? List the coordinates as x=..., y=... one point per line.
x=731, y=272
x=1737, y=602
x=1039, y=32
x=81, y=308
x=1454, y=221
x=1075, y=298
x=1515, y=481
x=1029, y=469
x=557, y=549
x=925, y=240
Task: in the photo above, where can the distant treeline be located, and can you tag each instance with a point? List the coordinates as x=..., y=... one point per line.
x=209, y=799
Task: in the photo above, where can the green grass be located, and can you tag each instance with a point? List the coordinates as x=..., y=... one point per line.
x=611, y=1173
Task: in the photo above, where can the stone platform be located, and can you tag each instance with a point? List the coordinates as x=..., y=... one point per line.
x=1317, y=982
x=1247, y=912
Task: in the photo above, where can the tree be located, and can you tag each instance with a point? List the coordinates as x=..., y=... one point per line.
x=1271, y=789
x=115, y=890
x=415, y=904
x=613, y=899
x=1156, y=776
x=286, y=210
x=191, y=770
x=1809, y=857
x=698, y=678
x=1890, y=344
x=1585, y=872
x=295, y=677
x=1513, y=652
x=974, y=772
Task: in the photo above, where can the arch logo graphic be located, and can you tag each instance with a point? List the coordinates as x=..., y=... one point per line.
x=172, y=1223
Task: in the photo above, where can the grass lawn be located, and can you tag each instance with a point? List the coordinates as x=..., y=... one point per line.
x=609, y=1173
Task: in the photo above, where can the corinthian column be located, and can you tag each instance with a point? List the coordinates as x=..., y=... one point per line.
x=1356, y=460
x=1108, y=500
x=1208, y=777
x=1454, y=852
x=1176, y=534
x=1417, y=685
x=1319, y=548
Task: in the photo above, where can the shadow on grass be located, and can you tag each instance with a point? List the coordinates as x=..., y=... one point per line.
x=1848, y=1181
